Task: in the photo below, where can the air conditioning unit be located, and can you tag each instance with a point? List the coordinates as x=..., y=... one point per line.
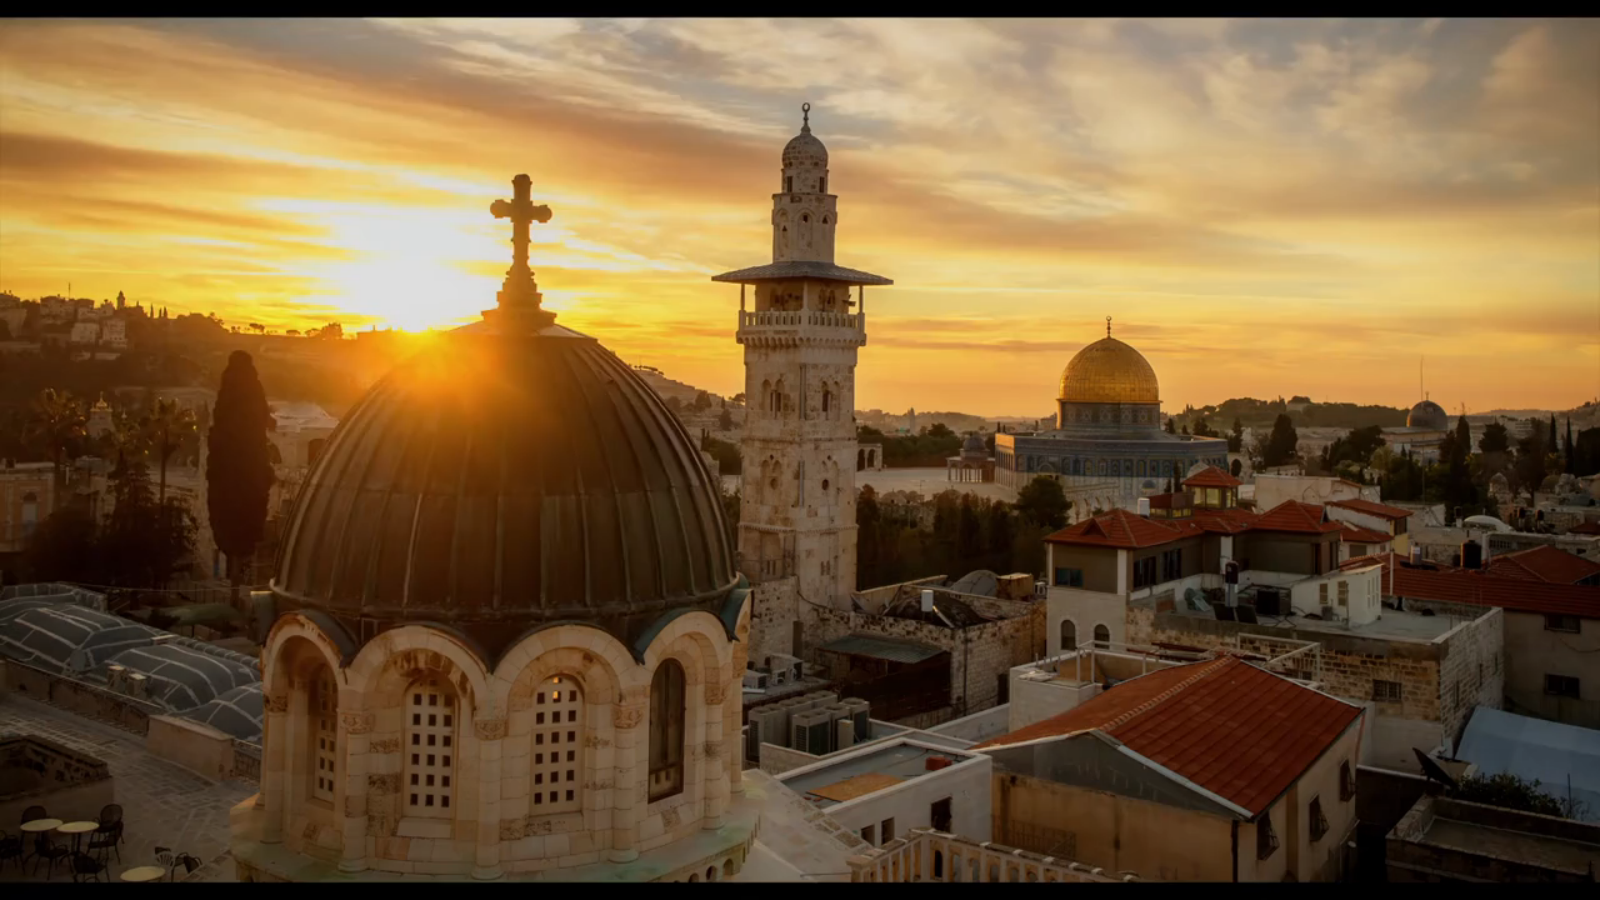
x=1041, y=588
x=1331, y=614
x=117, y=678
x=779, y=677
x=768, y=725
x=844, y=734
x=755, y=681
x=860, y=715
x=837, y=713
x=809, y=732
x=791, y=666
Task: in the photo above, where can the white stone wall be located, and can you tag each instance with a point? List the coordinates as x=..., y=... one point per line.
x=491, y=828
x=967, y=784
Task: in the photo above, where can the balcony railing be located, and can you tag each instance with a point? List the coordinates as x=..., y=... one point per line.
x=799, y=319
x=928, y=855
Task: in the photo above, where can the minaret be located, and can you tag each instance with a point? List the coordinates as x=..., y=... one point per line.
x=801, y=332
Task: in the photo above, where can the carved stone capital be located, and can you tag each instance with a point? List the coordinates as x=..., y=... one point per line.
x=489, y=729
x=277, y=702
x=628, y=715
x=356, y=722
x=716, y=692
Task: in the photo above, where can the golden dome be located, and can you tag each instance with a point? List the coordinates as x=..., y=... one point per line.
x=1109, y=371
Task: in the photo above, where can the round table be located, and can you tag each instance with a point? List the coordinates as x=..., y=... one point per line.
x=77, y=830
x=38, y=825
x=144, y=873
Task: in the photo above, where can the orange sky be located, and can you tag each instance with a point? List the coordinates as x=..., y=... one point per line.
x=1266, y=207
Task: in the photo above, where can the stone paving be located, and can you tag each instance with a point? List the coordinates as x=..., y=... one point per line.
x=162, y=804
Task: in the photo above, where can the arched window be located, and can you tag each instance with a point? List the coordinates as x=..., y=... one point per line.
x=827, y=402
x=1069, y=635
x=557, y=747
x=323, y=704
x=822, y=188
x=666, y=730
x=788, y=184
x=938, y=864
x=805, y=217
x=430, y=748
x=1102, y=634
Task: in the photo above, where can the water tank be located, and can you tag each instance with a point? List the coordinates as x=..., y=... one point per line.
x=927, y=601
x=1144, y=507
x=1471, y=554
x=1416, y=554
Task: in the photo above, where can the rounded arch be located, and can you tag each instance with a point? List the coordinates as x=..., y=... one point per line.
x=1069, y=635
x=391, y=661
x=282, y=652
x=1102, y=634
x=596, y=659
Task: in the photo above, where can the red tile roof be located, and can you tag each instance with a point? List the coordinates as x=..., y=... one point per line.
x=1355, y=534
x=1123, y=530
x=1451, y=585
x=1238, y=731
x=1544, y=563
x=1297, y=518
x=1211, y=476
x=1225, y=521
x=1585, y=528
x=1372, y=509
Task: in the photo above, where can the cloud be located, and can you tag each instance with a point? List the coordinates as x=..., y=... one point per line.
x=1279, y=202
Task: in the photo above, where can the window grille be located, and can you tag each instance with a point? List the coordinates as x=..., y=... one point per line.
x=430, y=749
x=557, y=747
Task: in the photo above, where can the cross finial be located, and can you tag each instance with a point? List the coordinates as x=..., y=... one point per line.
x=805, y=118
x=1108, y=326
x=520, y=294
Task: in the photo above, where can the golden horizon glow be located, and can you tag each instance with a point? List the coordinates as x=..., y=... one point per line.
x=1266, y=207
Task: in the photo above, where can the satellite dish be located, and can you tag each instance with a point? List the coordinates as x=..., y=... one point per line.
x=1434, y=771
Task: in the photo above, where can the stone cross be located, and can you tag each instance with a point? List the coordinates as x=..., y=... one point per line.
x=1108, y=326
x=519, y=289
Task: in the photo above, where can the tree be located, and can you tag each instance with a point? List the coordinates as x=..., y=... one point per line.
x=63, y=548
x=1043, y=503
x=1202, y=428
x=998, y=525
x=940, y=430
x=332, y=331
x=1237, y=469
x=58, y=425
x=1550, y=441
x=258, y=328
x=739, y=397
x=1507, y=791
x=1567, y=451
x=1529, y=469
x=676, y=405
x=1281, y=444
x=1185, y=428
x=702, y=401
x=170, y=425
x=868, y=553
x=1172, y=425
x=1236, y=439
x=725, y=420
x=143, y=542
x=238, y=472
x=1495, y=439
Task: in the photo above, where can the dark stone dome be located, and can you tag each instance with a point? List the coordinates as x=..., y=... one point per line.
x=1429, y=415
x=499, y=482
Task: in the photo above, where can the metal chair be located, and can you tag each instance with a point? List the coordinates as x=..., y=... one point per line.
x=189, y=863
x=10, y=848
x=106, y=838
x=46, y=850
x=33, y=814
x=164, y=857
x=87, y=867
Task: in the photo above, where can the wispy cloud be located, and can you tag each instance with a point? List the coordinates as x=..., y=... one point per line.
x=1265, y=206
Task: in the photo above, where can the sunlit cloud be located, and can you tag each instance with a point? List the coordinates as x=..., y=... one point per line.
x=1266, y=207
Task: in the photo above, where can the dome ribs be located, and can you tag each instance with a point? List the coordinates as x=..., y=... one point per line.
x=415, y=498
x=607, y=444
x=369, y=432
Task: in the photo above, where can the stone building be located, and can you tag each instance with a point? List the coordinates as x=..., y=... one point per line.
x=1107, y=448
x=504, y=671
x=973, y=463
x=27, y=498
x=797, y=522
x=1423, y=433
x=1130, y=780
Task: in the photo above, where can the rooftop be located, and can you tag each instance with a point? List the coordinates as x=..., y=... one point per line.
x=1232, y=728
x=1446, y=584
x=1521, y=838
x=1544, y=563
x=162, y=803
x=829, y=784
x=1211, y=476
x=1358, y=535
x=793, y=269
x=1123, y=530
x=1391, y=624
x=1294, y=517
x=1371, y=508
x=1561, y=757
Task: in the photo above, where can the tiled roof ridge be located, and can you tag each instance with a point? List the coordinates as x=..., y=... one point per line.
x=1202, y=670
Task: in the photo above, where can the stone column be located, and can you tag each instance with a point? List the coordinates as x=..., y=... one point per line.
x=733, y=710
x=628, y=786
x=355, y=740
x=491, y=739
x=715, y=784
x=274, y=759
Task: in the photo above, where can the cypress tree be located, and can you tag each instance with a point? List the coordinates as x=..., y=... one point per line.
x=238, y=469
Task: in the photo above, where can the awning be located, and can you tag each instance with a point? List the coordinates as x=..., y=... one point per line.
x=795, y=269
x=881, y=648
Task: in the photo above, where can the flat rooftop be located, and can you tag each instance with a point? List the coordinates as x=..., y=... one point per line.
x=884, y=768
x=1547, y=851
x=1392, y=624
x=162, y=803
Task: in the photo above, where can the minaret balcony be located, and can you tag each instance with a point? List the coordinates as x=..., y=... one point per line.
x=802, y=326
